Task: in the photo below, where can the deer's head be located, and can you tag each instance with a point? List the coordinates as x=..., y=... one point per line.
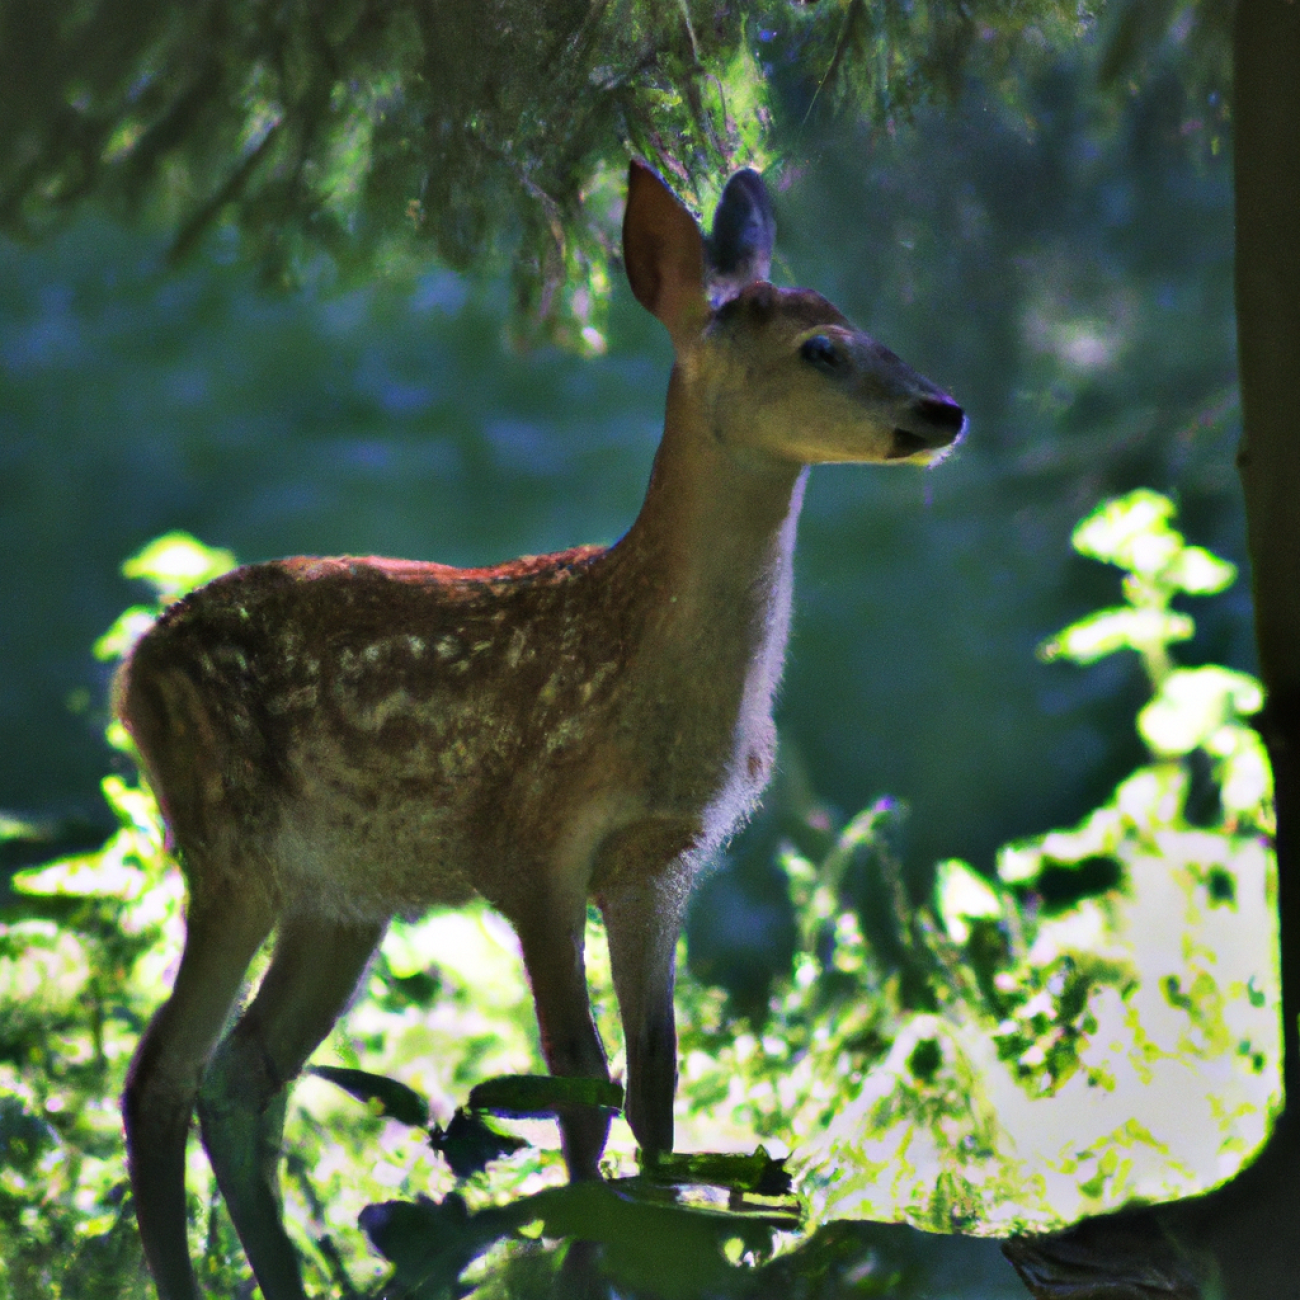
x=775, y=373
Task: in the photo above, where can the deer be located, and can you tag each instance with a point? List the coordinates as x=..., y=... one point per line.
x=337, y=741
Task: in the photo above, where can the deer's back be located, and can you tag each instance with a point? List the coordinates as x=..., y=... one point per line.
x=382, y=736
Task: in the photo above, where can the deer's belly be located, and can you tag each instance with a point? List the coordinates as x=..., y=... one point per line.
x=427, y=811
x=344, y=860
x=355, y=842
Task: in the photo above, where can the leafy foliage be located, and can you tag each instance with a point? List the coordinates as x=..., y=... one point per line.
x=1143, y=978
x=469, y=1143
x=379, y=134
x=926, y=1075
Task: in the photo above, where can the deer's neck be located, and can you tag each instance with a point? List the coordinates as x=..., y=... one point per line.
x=713, y=547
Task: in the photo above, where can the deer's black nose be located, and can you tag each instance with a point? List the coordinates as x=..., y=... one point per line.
x=947, y=415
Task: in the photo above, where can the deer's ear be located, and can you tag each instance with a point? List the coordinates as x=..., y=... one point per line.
x=663, y=252
x=744, y=231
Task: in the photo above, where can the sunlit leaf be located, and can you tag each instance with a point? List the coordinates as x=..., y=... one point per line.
x=962, y=895
x=1097, y=836
x=1245, y=776
x=127, y=629
x=176, y=563
x=1131, y=531
x=1153, y=796
x=14, y=828
x=1020, y=861
x=135, y=806
x=87, y=876
x=1199, y=572
x=1121, y=628
x=1192, y=704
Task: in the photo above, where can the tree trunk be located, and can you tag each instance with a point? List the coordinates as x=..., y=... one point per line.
x=1267, y=133
x=1253, y=1225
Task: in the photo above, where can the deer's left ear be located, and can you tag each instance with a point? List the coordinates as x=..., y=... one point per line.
x=663, y=252
x=744, y=231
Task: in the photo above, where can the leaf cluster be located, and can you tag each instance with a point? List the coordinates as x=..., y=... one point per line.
x=365, y=137
x=377, y=134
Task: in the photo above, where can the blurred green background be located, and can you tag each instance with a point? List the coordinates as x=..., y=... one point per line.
x=1061, y=263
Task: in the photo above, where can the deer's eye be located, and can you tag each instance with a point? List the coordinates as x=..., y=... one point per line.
x=819, y=351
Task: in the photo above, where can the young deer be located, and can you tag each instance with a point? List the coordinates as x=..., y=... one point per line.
x=335, y=741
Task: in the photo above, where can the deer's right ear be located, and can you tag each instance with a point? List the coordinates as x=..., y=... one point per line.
x=663, y=252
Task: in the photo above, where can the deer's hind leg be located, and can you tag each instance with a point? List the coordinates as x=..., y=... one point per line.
x=224, y=929
x=313, y=972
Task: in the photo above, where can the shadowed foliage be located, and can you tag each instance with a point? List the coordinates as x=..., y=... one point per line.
x=366, y=135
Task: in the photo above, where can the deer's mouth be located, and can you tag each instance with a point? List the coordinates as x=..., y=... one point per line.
x=906, y=444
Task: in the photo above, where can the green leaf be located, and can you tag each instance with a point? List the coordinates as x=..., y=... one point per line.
x=176, y=563
x=1119, y=628
x=1131, y=531
x=1245, y=776
x=396, y=1100
x=758, y=1174
x=1199, y=572
x=1193, y=704
x=674, y=1250
x=129, y=626
x=522, y=1095
x=1153, y=796
x=91, y=875
x=12, y=828
x=431, y=1243
x=962, y=895
x=469, y=1143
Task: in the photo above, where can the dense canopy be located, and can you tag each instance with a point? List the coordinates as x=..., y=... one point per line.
x=374, y=132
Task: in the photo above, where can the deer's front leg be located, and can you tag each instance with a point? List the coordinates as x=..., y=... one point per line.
x=643, y=917
x=552, y=936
